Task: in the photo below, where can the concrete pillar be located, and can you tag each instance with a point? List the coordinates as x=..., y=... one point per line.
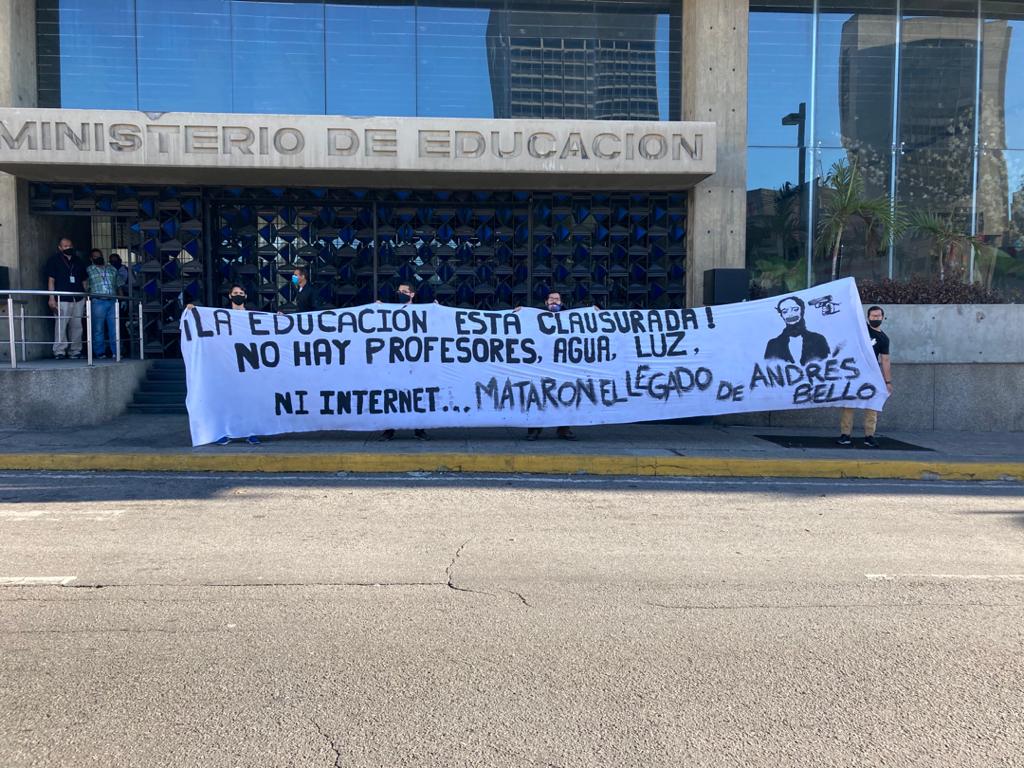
x=715, y=88
x=17, y=89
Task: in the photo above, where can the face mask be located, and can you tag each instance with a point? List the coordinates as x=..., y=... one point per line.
x=67, y=251
x=875, y=323
x=295, y=279
x=237, y=300
x=554, y=307
x=98, y=262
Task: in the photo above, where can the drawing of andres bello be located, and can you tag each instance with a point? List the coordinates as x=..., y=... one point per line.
x=795, y=343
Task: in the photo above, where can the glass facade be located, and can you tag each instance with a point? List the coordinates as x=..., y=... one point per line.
x=921, y=96
x=434, y=58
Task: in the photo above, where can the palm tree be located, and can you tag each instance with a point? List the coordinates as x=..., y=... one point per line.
x=845, y=204
x=944, y=233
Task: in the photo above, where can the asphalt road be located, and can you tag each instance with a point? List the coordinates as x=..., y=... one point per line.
x=423, y=621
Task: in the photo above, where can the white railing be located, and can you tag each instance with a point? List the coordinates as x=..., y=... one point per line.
x=16, y=321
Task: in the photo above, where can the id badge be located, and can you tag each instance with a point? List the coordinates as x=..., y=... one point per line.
x=71, y=279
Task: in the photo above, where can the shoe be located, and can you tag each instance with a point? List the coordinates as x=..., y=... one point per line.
x=253, y=440
x=421, y=434
x=75, y=357
x=60, y=357
x=387, y=434
x=532, y=434
x=870, y=442
x=565, y=433
x=844, y=440
x=224, y=440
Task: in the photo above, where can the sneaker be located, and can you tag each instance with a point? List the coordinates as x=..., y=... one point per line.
x=387, y=434
x=565, y=433
x=252, y=440
x=421, y=434
x=844, y=440
x=532, y=434
x=224, y=440
x=60, y=357
x=870, y=442
x=75, y=357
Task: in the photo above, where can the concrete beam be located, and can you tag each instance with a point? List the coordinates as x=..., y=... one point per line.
x=715, y=89
x=17, y=89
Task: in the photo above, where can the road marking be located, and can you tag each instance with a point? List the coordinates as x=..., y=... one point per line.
x=947, y=576
x=36, y=581
x=15, y=513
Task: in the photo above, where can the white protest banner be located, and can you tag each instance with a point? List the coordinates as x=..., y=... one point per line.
x=383, y=366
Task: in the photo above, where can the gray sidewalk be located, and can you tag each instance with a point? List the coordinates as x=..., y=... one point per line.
x=170, y=435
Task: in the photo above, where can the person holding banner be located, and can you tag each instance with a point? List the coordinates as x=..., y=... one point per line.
x=406, y=295
x=305, y=294
x=553, y=303
x=880, y=343
x=237, y=298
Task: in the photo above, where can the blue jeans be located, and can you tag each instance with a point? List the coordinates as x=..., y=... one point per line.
x=103, y=331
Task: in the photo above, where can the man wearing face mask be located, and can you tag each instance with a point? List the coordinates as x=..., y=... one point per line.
x=405, y=296
x=236, y=300
x=103, y=285
x=881, y=344
x=66, y=272
x=305, y=294
x=553, y=303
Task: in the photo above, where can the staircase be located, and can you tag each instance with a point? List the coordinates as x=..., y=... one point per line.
x=163, y=389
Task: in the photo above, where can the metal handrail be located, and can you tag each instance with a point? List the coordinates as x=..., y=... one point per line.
x=22, y=317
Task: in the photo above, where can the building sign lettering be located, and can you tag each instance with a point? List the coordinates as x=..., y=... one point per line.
x=107, y=137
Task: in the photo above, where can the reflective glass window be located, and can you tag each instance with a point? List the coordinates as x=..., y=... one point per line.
x=452, y=77
x=779, y=73
x=856, y=59
x=863, y=253
x=999, y=259
x=938, y=71
x=1002, y=57
x=371, y=59
x=776, y=220
x=937, y=183
x=95, y=55
x=184, y=55
x=278, y=57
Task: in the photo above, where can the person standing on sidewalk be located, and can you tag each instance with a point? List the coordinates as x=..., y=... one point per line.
x=66, y=272
x=553, y=303
x=236, y=298
x=881, y=344
x=406, y=296
x=103, y=285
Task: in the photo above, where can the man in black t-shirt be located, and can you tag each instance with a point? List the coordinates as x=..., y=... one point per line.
x=65, y=272
x=881, y=344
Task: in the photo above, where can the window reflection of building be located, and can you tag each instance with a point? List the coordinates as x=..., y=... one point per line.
x=938, y=83
x=561, y=64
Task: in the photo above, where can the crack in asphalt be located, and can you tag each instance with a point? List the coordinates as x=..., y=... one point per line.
x=451, y=567
x=330, y=742
x=522, y=599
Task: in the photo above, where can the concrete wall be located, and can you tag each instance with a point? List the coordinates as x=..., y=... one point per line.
x=715, y=88
x=17, y=89
x=956, y=367
x=72, y=396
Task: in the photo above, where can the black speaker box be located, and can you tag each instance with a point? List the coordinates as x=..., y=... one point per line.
x=725, y=286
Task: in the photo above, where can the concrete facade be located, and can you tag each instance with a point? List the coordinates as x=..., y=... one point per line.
x=69, y=395
x=17, y=89
x=715, y=88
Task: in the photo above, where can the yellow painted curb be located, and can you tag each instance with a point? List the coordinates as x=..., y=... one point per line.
x=513, y=463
